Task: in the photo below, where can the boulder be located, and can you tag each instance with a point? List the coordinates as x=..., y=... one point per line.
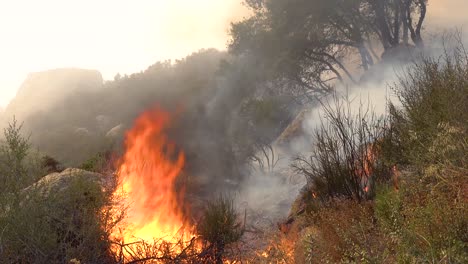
x=59, y=181
x=115, y=131
x=82, y=131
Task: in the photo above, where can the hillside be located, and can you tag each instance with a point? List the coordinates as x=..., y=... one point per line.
x=41, y=91
x=330, y=131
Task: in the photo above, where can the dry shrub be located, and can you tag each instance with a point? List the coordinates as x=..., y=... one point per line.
x=158, y=251
x=345, y=232
x=344, y=162
x=434, y=217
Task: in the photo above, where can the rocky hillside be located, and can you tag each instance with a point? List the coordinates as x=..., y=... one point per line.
x=42, y=90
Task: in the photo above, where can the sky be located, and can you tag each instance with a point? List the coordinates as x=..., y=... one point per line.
x=117, y=36
x=112, y=36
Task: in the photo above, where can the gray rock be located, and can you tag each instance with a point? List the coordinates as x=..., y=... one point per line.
x=58, y=182
x=82, y=131
x=115, y=131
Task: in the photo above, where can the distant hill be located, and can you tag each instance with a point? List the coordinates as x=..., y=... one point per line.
x=42, y=90
x=71, y=114
x=1, y=115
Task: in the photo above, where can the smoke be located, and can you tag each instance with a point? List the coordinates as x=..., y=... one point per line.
x=215, y=97
x=272, y=193
x=447, y=13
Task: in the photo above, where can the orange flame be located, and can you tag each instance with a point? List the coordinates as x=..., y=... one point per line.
x=148, y=173
x=365, y=167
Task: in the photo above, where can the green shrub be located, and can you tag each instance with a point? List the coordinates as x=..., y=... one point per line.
x=52, y=220
x=433, y=95
x=13, y=154
x=435, y=212
x=51, y=165
x=96, y=163
x=388, y=206
x=55, y=224
x=220, y=226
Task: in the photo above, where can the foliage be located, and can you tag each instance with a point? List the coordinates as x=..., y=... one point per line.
x=57, y=225
x=97, y=163
x=13, y=155
x=431, y=125
x=344, y=232
x=425, y=219
x=49, y=222
x=159, y=251
x=308, y=41
x=220, y=226
x=50, y=164
x=435, y=214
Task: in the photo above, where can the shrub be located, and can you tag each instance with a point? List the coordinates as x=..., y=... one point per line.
x=220, y=226
x=344, y=232
x=388, y=206
x=55, y=224
x=51, y=165
x=433, y=96
x=13, y=153
x=427, y=221
x=50, y=222
x=344, y=162
x=97, y=163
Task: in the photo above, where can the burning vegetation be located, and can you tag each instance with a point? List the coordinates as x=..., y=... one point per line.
x=148, y=174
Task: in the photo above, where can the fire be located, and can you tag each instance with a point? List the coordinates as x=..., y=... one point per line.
x=365, y=166
x=148, y=172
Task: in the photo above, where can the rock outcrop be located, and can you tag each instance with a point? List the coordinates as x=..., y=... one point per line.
x=42, y=90
x=60, y=181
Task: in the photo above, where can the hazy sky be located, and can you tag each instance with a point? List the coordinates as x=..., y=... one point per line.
x=108, y=35
x=121, y=36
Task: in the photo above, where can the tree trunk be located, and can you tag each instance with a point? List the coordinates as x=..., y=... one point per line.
x=379, y=9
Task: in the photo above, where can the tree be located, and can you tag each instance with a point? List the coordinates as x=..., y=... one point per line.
x=13, y=153
x=307, y=41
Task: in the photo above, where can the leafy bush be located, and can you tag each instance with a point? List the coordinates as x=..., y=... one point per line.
x=96, y=163
x=427, y=220
x=51, y=165
x=57, y=225
x=433, y=96
x=52, y=220
x=13, y=153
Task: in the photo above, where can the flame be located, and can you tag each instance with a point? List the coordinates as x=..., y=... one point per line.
x=147, y=173
x=365, y=167
x=366, y=189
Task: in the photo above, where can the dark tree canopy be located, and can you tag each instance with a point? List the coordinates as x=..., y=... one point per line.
x=307, y=41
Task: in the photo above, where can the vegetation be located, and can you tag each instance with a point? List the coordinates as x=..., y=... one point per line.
x=421, y=216
x=220, y=226
x=50, y=221
x=344, y=161
x=308, y=41
x=389, y=189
